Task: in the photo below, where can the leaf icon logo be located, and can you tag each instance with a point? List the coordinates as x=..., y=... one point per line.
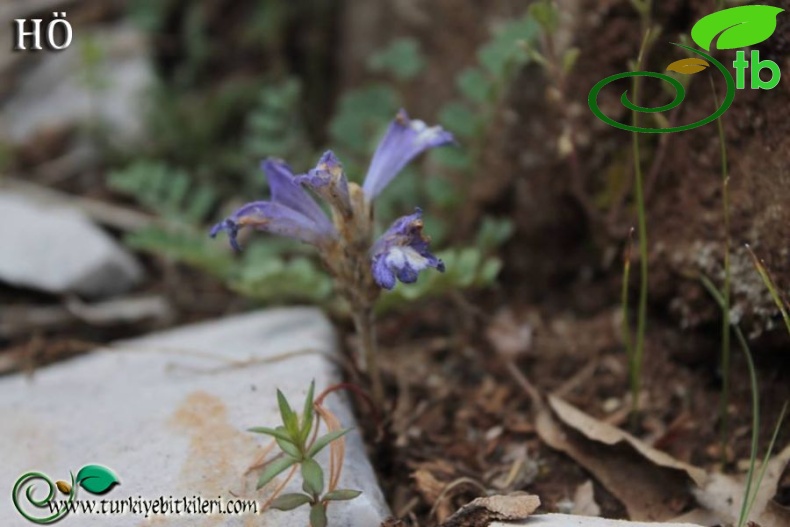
x=737, y=27
x=96, y=479
x=689, y=66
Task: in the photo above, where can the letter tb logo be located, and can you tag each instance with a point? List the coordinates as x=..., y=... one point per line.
x=756, y=65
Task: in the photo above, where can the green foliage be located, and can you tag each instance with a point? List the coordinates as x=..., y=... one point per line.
x=273, y=125
x=402, y=59
x=482, y=88
x=268, y=274
x=295, y=438
x=165, y=190
x=184, y=245
x=546, y=14
x=359, y=122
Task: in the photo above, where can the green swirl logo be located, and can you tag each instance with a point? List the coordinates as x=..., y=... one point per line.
x=95, y=479
x=730, y=28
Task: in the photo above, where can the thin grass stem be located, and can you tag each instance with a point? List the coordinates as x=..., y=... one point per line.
x=626, y=324
x=771, y=285
x=636, y=363
x=726, y=293
x=767, y=458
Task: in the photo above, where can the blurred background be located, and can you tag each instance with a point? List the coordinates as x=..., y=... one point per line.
x=152, y=125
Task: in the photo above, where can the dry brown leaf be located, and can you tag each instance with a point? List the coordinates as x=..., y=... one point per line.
x=604, y=433
x=584, y=501
x=431, y=490
x=723, y=495
x=482, y=511
x=651, y=485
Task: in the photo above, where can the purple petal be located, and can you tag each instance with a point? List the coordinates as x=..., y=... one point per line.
x=288, y=192
x=274, y=218
x=383, y=274
x=402, y=252
x=329, y=181
x=405, y=139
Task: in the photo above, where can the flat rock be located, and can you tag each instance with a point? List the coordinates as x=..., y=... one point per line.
x=53, y=93
x=58, y=250
x=567, y=520
x=168, y=414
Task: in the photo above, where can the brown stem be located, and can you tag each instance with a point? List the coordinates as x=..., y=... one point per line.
x=366, y=342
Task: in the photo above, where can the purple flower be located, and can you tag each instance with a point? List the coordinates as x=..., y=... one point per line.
x=329, y=181
x=291, y=211
x=405, y=139
x=402, y=252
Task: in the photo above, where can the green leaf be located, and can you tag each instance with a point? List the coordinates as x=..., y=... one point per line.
x=289, y=502
x=289, y=417
x=474, y=85
x=569, y=59
x=361, y=117
x=307, y=413
x=318, y=515
x=96, y=479
x=324, y=440
x=455, y=158
x=276, y=433
x=342, y=495
x=546, y=14
x=737, y=27
x=289, y=448
x=459, y=119
x=493, y=233
x=274, y=469
x=402, y=59
x=313, y=477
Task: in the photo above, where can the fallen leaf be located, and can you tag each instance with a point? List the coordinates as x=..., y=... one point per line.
x=722, y=496
x=584, y=501
x=689, y=66
x=482, y=511
x=651, y=485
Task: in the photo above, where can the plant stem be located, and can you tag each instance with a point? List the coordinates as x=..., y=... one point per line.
x=725, y=329
x=626, y=325
x=636, y=364
x=755, y=426
x=769, y=283
x=366, y=334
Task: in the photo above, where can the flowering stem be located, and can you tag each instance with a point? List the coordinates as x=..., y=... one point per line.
x=364, y=323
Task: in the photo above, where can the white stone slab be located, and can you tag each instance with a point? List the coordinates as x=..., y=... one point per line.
x=53, y=92
x=169, y=415
x=58, y=250
x=567, y=520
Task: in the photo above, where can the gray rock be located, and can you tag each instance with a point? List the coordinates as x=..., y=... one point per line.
x=567, y=520
x=57, y=250
x=54, y=93
x=169, y=413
